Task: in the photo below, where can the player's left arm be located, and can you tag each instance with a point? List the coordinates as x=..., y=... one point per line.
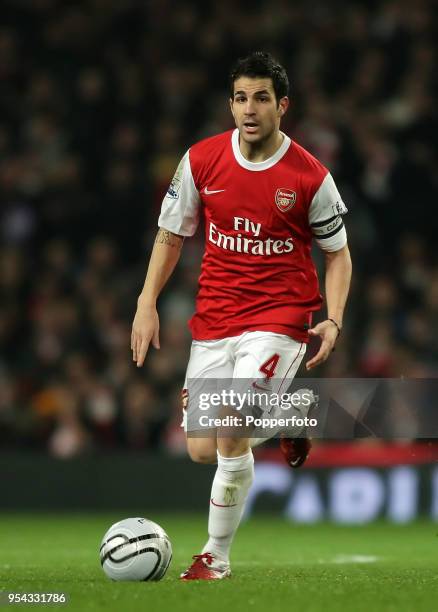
x=326, y=214
x=337, y=284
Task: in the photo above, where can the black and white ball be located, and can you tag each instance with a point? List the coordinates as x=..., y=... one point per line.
x=135, y=549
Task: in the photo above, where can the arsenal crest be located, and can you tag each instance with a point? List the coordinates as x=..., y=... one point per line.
x=285, y=199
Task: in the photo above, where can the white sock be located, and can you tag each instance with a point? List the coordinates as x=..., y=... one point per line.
x=233, y=478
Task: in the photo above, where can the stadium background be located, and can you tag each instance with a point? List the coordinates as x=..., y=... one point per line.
x=99, y=100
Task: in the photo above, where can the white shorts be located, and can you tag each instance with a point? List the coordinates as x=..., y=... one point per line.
x=266, y=357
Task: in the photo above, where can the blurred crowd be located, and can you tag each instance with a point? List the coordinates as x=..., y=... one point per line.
x=99, y=100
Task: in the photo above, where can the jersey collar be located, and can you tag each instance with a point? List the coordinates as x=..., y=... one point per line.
x=263, y=165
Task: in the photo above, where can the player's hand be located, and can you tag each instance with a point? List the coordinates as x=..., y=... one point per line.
x=328, y=332
x=145, y=330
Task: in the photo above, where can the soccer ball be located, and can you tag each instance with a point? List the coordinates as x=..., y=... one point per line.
x=135, y=549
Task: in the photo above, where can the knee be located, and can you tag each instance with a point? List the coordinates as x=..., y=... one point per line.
x=202, y=453
x=232, y=447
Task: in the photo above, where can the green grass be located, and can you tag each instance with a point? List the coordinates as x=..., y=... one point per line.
x=276, y=566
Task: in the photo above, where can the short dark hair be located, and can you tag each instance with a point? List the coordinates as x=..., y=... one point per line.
x=260, y=64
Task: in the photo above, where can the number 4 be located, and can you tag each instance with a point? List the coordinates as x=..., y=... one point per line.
x=268, y=368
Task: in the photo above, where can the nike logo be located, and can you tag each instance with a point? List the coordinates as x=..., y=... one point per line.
x=222, y=505
x=208, y=192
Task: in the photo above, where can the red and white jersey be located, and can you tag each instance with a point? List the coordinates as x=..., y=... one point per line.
x=257, y=272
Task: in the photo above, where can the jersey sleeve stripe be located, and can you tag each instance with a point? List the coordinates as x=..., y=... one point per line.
x=333, y=243
x=328, y=228
x=330, y=234
x=325, y=222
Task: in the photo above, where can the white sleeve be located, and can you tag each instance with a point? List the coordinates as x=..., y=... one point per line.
x=180, y=207
x=325, y=216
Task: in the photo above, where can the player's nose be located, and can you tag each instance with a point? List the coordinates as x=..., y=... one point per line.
x=249, y=108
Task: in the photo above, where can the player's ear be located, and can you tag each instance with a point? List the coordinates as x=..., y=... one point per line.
x=283, y=105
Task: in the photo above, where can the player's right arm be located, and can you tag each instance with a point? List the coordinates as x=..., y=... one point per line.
x=146, y=325
x=179, y=218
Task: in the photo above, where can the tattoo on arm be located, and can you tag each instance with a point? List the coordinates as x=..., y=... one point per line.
x=166, y=237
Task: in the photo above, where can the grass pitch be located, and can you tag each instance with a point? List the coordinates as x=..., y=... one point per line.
x=276, y=566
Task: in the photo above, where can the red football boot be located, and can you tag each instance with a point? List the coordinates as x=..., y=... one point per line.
x=206, y=567
x=295, y=450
